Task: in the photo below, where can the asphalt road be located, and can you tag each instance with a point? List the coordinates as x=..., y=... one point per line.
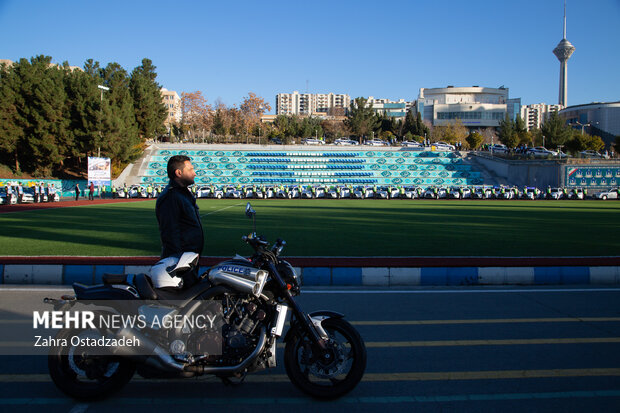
x=509, y=349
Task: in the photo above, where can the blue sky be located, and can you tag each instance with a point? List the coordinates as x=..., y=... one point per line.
x=386, y=49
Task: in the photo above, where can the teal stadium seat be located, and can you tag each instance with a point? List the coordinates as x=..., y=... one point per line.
x=304, y=167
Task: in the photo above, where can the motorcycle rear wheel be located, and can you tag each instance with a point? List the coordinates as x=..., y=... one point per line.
x=83, y=376
x=327, y=380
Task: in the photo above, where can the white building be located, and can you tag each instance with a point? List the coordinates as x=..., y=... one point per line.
x=392, y=108
x=598, y=118
x=310, y=104
x=535, y=115
x=476, y=107
x=172, y=101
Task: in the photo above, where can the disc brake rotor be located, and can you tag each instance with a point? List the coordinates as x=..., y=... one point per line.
x=322, y=368
x=86, y=365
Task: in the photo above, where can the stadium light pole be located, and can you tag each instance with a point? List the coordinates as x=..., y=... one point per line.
x=583, y=125
x=103, y=88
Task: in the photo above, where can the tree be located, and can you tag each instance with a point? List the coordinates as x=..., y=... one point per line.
x=40, y=114
x=507, y=133
x=222, y=119
x=456, y=131
x=121, y=140
x=523, y=136
x=252, y=108
x=583, y=142
x=10, y=133
x=84, y=109
x=452, y=132
x=420, y=128
x=149, y=109
x=474, y=140
x=334, y=129
x=489, y=135
x=196, y=115
x=555, y=131
x=409, y=126
x=415, y=125
x=362, y=119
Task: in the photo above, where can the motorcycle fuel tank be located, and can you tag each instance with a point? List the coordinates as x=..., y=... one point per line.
x=240, y=275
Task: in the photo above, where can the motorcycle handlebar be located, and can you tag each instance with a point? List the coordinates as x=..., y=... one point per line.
x=259, y=242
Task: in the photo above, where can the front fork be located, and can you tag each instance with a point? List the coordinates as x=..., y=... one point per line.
x=313, y=328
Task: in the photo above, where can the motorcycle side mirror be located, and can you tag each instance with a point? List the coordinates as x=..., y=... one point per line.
x=249, y=211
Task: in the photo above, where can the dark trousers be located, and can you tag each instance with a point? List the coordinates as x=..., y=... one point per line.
x=77, y=195
x=91, y=196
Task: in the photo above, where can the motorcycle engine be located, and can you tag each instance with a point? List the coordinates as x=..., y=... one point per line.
x=234, y=334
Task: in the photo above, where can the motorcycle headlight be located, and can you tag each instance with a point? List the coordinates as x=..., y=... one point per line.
x=290, y=276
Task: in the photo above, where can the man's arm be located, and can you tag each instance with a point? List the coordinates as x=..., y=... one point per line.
x=169, y=228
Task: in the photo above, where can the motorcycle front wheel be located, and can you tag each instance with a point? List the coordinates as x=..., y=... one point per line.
x=332, y=376
x=86, y=376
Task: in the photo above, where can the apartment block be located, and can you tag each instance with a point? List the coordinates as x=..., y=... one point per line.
x=171, y=99
x=311, y=104
x=535, y=115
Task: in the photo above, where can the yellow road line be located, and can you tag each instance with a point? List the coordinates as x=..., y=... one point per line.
x=435, y=322
x=436, y=343
x=508, y=342
x=486, y=321
x=378, y=377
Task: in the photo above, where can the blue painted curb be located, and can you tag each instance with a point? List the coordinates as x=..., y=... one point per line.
x=344, y=276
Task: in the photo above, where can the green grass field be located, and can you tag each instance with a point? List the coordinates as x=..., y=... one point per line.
x=331, y=228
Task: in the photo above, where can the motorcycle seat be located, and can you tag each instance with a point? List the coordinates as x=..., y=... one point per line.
x=114, y=278
x=145, y=288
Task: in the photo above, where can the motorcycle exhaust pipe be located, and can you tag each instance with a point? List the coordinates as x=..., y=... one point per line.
x=159, y=359
x=230, y=370
x=149, y=353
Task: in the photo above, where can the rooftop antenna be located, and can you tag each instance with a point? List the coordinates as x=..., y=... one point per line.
x=564, y=20
x=307, y=90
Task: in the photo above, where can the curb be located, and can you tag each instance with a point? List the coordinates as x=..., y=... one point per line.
x=343, y=271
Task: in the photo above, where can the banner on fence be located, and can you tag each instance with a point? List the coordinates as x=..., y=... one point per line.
x=99, y=171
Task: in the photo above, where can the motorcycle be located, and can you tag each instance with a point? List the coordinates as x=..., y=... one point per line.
x=324, y=355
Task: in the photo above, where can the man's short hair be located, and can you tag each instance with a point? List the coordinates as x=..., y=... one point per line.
x=176, y=162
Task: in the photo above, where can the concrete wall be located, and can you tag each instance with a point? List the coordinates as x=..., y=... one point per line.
x=524, y=173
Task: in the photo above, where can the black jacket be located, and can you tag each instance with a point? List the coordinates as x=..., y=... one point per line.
x=178, y=216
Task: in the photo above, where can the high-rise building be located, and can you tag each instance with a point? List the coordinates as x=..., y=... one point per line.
x=172, y=101
x=535, y=115
x=310, y=104
x=563, y=51
x=475, y=107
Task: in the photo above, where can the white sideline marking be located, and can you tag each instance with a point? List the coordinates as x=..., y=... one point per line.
x=221, y=209
x=79, y=408
x=554, y=290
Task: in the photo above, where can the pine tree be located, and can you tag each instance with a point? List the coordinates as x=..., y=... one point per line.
x=420, y=128
x=409, y=125
x=10, y=133
x=84, y=109
x=149, y=109
x=507, y=134
x=555, y=131
x=362, y=118
x=40, y=103
x=120, y=140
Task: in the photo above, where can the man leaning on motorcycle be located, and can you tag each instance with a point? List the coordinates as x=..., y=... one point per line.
x=178, y=217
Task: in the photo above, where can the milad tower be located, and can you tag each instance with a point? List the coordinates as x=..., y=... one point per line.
x=563, y=52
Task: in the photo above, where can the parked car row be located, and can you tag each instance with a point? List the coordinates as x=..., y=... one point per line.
x=397, y=192
x=542, y=152
x=27, y=195
x=378, y=142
